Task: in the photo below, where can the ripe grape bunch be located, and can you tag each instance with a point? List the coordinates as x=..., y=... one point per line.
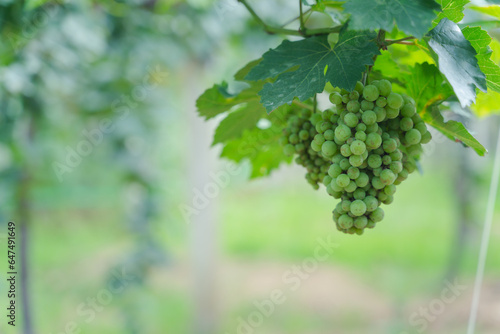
x=369, y=142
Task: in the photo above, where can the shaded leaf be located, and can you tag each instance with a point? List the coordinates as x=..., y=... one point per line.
x=414, y=17
x=457, y=61
x=300, y=66
x=235, y=123
x=452, y=129
x=427, y=86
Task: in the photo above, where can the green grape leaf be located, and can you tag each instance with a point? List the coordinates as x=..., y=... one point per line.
x=236, y=122
x=304, y=67
x=426, y=85
x=414, y=17
x=480, y=40
x=454, y=130
x=451, y=9
x=457, y=61
x=260, y=147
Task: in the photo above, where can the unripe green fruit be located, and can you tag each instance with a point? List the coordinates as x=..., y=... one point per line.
x=377, y=215
x=387, y=177
x=355, y=160
x=370, y=93
x=421, y=127
x=367, y=105
x=426, y=137
x=361, y=222
x=343, y=180
x=373, y=140
x=359, y=194
x=360, y=135
x=335, y=98
x=408, y=110
x=362, y=180
x=353, y=173
x=384, y=87
x=342, y=132
x=345, y=150
x=374, y=161
x=377, y=183
x=344, y=164
x=358, y=147
x=391, y=113
x=345, y=221
x=334, y=171
x=381, y=114
x=371, y=203
x=351, y=187
x=413, y=137
x=358, y=208
x=351, y=120
x=359, y=87
x=328, y=135
x=329, y=148
x=304, y=134
x=395, y=101
x=369, y=117
x=354, y=95
x=390, y=145
x=396, y=167
x=406, y=124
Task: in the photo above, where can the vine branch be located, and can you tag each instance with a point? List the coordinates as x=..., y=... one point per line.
x=302, y=27
x=277, y=30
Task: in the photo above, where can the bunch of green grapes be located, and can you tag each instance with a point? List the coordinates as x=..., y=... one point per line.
x=373, y=139
x=297, y=138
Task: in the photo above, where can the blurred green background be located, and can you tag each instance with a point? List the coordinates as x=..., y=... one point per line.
x=101, y=154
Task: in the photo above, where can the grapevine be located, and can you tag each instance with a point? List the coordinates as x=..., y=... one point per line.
x=370, y=138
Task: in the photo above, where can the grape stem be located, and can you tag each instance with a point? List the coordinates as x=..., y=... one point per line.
x=301, y=32
x=295, y=19
x=302, y=27
x=302, y=105
x=400, y=41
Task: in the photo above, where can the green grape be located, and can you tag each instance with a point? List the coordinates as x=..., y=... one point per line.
x=367, y=105
x=299, y=148
x=421, y=127
x=319, y=139
x=346, y=205
x=414, y=151
x=334, y=170
x=362, y=180
x=390, y=189
x=360, y=222
x=354, y=95
x=369, y=117
x=359, y=87
x=370, y=93
x=329, y=148
x=304, y=134
x=377, y=215
x=413, y=137
x=381, y=102
x=361, y=127
x=374, y=161
x=325, y=126
x=371, y=203
x=360, y=135
x=345, y=164
x=337, y=158
x=289, y=150
x=335, y=187
x=426, y=138
x=351, y=120
x=358, y=208
x=329, y=190
x=381, y=114
x=393, y=124
x=355, y=160
x=377, y=183
x=373, y=140
x=353, y=173
x=327, y=114
x=351, y=187
x=327, y=179
x=293, y=139
x=408, y=110
x=382, y=196
x=408, y=99
x=396, y=167
x=353, y=106
x=334, y=119
x=315, y=119
x=365, y=155
x=391, y=113
x=406, y=124
x=345, y=150
x=385, y=87
x=390, y=145
x=386, y=160
x=345, y=98
x=329, y=135
x=342, y=132
x=377, y=171
x=387, y=177
x=335, y=98
x=345, y=221
x=359, y=194
x=358, y=147
x=372, y=128
x=343, y=180
x=395, y=101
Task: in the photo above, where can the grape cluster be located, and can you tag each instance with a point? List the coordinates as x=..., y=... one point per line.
x=373, y=138
x=296, y=139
